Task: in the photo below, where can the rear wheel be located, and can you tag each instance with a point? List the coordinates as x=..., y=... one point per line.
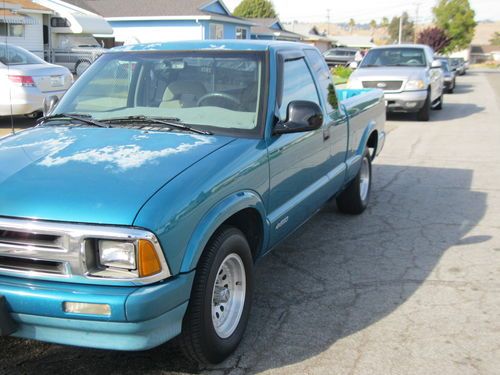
x=219, y=307
x=81, y=66
x=425, y=112
x=354, y=199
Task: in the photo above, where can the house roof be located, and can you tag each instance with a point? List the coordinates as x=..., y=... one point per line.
x=22, y=5
x=136, y=9
x=308, y=32
x=271, y=27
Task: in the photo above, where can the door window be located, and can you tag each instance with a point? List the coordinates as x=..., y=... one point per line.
x=327, y=89
x=298, y=84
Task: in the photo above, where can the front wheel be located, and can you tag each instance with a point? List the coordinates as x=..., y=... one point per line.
x=220, y=302
x=424, y=113
x=354, y=199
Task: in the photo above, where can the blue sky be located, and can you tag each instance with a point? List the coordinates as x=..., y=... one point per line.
x=365, y=10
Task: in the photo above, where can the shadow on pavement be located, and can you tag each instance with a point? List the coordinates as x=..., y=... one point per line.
x=336, y=276
x=450, y=111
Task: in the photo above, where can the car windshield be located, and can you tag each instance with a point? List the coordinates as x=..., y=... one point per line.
x=13, y=55
x=444, y=65
x=216, y=89
x=394, y=57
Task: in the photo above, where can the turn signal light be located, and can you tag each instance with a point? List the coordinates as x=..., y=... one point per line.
x=22, y=81
x=149, y=263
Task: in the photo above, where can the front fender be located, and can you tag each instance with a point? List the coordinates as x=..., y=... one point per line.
x=214, y=218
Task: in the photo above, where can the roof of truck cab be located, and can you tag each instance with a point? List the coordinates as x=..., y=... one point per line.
x=225, y=45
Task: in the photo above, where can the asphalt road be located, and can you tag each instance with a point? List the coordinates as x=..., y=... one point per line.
x=410, y=287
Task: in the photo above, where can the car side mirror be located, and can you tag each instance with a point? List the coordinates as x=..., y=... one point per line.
x=302, y=116
x=436, y=64
x=49, y=104
x=353, y=65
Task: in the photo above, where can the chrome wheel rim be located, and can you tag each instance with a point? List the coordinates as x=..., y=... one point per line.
x=364, y=179
x=228, y=295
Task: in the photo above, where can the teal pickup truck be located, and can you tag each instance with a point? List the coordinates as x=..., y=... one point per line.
x=135, y=211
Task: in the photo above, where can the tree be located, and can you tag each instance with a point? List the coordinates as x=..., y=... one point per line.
x=456, y=18
x=255, y=9
x=495, y=39
x=434, y=37
x=373, y=24
x=385, y=22
x=408, y=29
x=352, y=23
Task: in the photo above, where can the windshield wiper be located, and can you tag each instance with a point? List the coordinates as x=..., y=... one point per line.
x=87, y=119
x=171, y=122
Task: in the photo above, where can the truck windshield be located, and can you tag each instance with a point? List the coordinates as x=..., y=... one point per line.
x=394, y=57
x=216, y=89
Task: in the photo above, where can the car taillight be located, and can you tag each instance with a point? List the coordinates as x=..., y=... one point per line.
x=25, y=81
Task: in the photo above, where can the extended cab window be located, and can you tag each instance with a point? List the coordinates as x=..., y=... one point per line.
x=319, y=67
x=298, y=84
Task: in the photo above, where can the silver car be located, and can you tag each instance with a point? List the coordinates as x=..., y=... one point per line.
x=26, y=80
x=411, y=78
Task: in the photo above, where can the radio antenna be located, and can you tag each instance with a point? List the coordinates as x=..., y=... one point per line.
x=8, y=68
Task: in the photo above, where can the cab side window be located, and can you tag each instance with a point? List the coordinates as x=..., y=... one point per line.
x=298, y=84
x=327, y=89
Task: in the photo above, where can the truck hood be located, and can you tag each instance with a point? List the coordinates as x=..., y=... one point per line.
x=92, y=175
x=392, y=73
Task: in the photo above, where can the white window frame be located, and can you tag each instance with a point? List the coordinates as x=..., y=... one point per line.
x=8, y=27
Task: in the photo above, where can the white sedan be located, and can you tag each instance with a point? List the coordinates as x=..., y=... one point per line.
x=26, y=79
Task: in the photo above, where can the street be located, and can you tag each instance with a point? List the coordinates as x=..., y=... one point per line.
x=409, y=287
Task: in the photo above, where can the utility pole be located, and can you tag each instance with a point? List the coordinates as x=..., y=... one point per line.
x=400, y=36
x=415, y=31
x=328, y=20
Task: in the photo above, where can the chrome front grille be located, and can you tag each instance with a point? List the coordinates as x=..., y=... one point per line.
x=383, y=85
x=32, y=265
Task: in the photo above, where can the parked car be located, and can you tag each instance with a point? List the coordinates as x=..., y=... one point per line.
x=26, y=80
x=76, y=52
x=458, y=64
x=411, y=78
x=448, y=75
x=136, y=209
x=339, y=56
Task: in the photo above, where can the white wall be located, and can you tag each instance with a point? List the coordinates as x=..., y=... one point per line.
x=149, y=34
x=33, y=37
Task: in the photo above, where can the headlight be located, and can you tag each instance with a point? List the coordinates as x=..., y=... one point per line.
x=416, y=84
x=117, y=254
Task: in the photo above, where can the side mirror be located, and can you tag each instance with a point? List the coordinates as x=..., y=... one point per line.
x=302, y=116
x=49, y=104
x=436, y=64
x=353, y=65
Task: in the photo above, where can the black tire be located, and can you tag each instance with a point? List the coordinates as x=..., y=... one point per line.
x=199, y=340
x=439, y=106
x=452, y=87
x=350, y=200
x=424, y=113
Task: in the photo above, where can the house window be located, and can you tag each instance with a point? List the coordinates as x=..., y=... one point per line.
x=216, y=31
x=11, y=29
x=59, y=22
x=241, y=33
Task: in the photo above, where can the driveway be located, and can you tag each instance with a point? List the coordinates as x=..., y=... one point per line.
x=410, y=287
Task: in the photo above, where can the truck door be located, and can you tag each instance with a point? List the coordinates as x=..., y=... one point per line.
x=299, y=162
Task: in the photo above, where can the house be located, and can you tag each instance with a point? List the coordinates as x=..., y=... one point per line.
x=311, y=35
x=22, y=24
x=147, y=21
x=271, y=29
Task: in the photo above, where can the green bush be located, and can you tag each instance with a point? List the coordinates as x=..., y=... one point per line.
x=342, y=72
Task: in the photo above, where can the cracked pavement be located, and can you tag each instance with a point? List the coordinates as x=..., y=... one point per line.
x=410, y=287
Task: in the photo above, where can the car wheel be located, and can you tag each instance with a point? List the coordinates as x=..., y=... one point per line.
x=439, y=104
x=221, y=297
x=452, y=87
x=424, y=113
x=354, y=199
x=81, y=66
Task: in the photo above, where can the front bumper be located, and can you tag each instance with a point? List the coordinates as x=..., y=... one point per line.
x=141, y=317
x=405, y=101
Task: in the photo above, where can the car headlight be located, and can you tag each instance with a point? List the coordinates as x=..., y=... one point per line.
x=126, y=259
x=415, y=84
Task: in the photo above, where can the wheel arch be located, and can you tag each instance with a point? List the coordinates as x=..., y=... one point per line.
x=244, y=210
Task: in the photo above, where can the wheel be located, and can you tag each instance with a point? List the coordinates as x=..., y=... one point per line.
x=439, y=105
x=354, y=199
x=452, y=87
x=424, y=113
x=81, y=66
x=220, y=302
